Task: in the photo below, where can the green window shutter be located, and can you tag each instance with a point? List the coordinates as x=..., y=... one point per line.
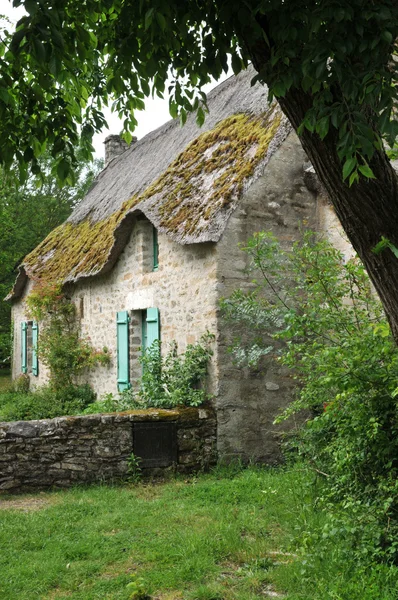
x=144, y=332
x=35, y=337
x=24, y=347
x=155, y=249
x=152, y=326
x=123, y=351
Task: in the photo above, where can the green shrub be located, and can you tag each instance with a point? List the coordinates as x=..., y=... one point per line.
x=338, y=342
x=173, y=379
x=109, y=403
x=21, y=384
x=45, y=403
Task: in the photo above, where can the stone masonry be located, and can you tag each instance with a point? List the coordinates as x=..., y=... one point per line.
x=66, y=451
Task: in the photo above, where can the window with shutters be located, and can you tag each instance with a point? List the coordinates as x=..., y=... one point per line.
x=136, y=331
x=123, y=350
x=29, y=339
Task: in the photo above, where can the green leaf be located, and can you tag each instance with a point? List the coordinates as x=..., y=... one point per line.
x=39, y=50
x=387, y=36
x=322, y=127
x=353, y=177
x=148, y=18
x=348, y=167
x=200, y=116
x=161, y=21
x=183, y=116
x=366, y=171
x=173, y=109
x=63, y=169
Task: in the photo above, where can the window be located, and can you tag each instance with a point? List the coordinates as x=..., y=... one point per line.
x=29, y=339
x=155, y=249
x=123, y=351
x=135, y=333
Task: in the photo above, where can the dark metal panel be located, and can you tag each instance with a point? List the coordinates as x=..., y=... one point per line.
x=155, y=444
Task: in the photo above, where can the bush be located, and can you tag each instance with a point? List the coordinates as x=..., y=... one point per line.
x=109, y=403
x=45, y=403
x=345, y=361
x=173, y=379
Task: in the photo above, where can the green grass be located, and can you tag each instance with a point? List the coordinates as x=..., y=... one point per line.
x=5, y=379
x=232, y=535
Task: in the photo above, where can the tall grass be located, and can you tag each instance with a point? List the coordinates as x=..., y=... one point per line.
x=232, y=535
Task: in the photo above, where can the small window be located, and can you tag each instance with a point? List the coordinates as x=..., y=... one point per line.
x=29, y=339
x=155, y=249
x=80, y=307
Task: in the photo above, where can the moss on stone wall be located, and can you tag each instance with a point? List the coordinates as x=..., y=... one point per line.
x=197, y=187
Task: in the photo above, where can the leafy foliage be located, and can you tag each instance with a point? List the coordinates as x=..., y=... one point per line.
x=109, y=403
x=173, y=379
x=339, y=344
x=27, y=214
x=167, y=381
x=45, y=403
x=65, y=61
x=61, y=346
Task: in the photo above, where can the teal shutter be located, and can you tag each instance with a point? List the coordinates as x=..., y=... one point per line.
x=152, y=326
x=155, y=249
x=24, y=347
x=123, y=353
x=144, y=332
x=35, y=337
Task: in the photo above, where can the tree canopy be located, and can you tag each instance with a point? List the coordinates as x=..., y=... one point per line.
x=330, y=63
x=66, y=60
x=27, y=214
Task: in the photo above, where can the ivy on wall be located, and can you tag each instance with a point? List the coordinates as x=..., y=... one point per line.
x=61, y=347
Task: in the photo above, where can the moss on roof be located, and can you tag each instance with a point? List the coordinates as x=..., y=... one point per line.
x=201, y=184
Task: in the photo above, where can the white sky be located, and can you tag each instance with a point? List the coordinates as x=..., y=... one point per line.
x=156, y=110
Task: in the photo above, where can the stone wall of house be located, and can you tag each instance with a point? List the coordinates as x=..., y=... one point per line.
x=187, y=287
x=69, y=450
x=248, y=400
x=183, y=288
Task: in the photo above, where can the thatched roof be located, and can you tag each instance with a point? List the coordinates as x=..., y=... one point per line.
x=187, y=181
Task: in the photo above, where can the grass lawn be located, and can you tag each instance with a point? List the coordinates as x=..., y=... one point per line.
x=5, y=379
x=225, y=536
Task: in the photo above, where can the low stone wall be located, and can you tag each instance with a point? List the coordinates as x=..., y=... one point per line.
x=37, y=455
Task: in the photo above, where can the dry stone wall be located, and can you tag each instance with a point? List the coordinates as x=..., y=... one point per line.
x=66, y=451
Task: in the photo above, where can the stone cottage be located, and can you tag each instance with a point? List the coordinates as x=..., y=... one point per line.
x=153, y=247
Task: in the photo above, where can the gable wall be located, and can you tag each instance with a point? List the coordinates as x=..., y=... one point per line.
x=248, y=400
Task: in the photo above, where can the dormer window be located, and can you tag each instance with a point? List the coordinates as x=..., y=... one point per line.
x=155, y=249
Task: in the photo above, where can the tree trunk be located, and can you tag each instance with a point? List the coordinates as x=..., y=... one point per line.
x=367, y=210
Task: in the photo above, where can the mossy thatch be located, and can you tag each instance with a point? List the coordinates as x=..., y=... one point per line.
x=202, y=183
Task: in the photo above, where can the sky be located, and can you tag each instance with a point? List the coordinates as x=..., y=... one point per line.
x=156, y=109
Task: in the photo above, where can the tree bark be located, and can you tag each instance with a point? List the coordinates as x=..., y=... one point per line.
x=367, y=210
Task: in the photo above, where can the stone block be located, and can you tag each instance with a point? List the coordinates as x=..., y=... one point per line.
x=72, y=466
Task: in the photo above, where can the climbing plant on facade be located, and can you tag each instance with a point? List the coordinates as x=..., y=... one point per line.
x=61, y=347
